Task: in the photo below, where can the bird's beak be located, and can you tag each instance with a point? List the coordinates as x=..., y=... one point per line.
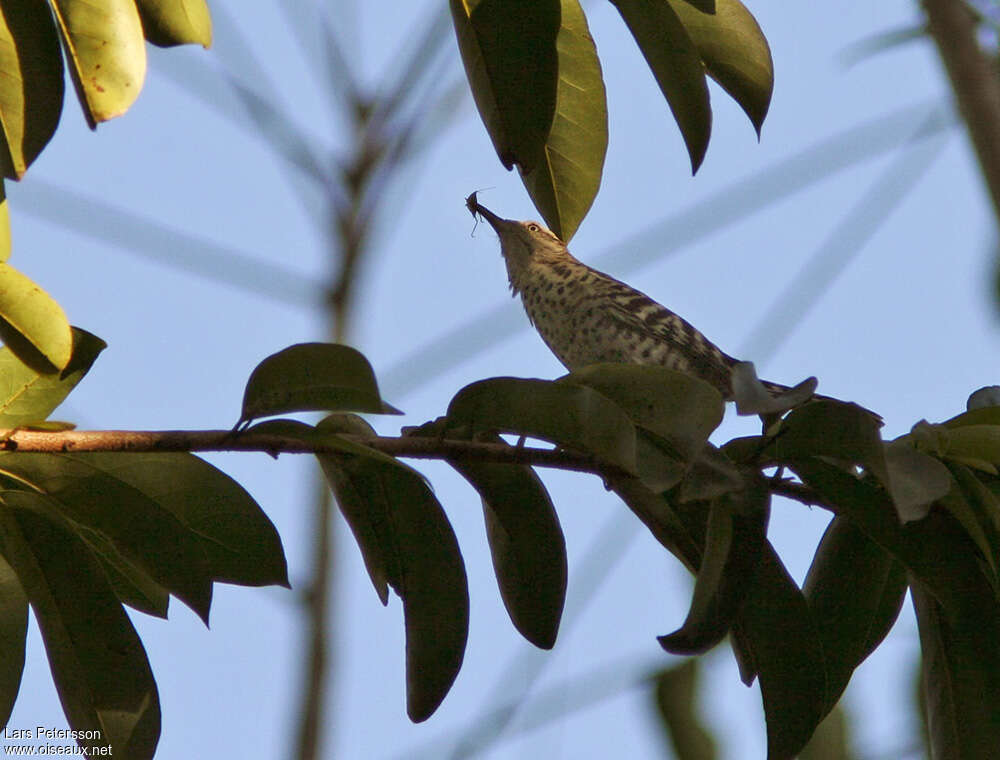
x=496, y=222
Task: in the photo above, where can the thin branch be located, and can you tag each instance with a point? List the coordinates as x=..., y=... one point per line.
x=973, y=75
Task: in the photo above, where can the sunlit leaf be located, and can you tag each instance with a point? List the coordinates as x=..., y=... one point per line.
x=735, y=53
x=98, y=663
x=31, y=89
x=676, y=63
x=28, y=396
x=106, y=53
x=32, y=324
x=509, y=51
x=311, y=377
x=5, y=239
x=566, y=179
x=175, y=22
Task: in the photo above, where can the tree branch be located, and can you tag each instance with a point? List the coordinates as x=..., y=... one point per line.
x=974, y=79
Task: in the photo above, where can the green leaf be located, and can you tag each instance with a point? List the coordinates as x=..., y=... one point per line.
x=659, y=515
x=407, y=542
x=5, y=241
x=31, y=87
x=106, y=52
x=831, y=741
x=961, y=673
x=88, y=492
x=175, y=22
x=776, y=639
x=32, y=324
x=989, y=415
x=509, y=51
x=916, y=480
x=27, y=396
x=130, y=583
x=676, y=63
x=977, y=510
x=833, y=429
x=310, y=377
x=855, y=590
x=240, y=543
x=679, y=408
x=566, y=179
x=570, y=415
x=676, y=701
x=974, y=442
x=13, y=631
x=526, y=544
x=98, y=663
x=735, y=53
x=711, y=475
x=734, y=538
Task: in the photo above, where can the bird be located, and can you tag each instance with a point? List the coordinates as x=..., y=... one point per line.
x=587, y=317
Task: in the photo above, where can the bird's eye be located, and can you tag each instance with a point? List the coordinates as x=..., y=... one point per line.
x=533, y=228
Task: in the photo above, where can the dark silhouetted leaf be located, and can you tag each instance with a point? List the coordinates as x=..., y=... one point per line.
x=776, y=639
x=711, y=475
x=13, y=631
x=565, y=181
x=831, y=740
x=310, y=377
x=509, y=51
x=676, y=63
x=27, y=396
x=98, y=663
x=106, y=54
x=144, y=531
x=961, y=672
x=408, y=543
x=570, y=415
x=855, y=590
x=131, y=584
x=735, y=52
x=175, y=22
x=676, y=701
x=737, y=529
x=31, y=85
x=526, y=543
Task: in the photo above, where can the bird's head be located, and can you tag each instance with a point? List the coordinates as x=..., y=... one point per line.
x=520, y=242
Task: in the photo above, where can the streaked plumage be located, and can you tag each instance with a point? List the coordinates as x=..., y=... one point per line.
x=586, y=316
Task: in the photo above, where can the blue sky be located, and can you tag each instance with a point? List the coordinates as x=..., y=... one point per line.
x=906, y=328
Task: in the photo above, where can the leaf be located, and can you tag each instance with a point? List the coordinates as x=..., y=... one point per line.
x=175, y=22
x=976, y=442
x=509, y=51
x=31, y=88
x=679, y=408
x=566, y=179
x=831, y=741
x=309, y=377
x=240, y=543
x=569, y=415
x=776, y=639
x=734, y=51
x=13, y=632
x=526, y=544
x=961, y=673
x=33, y=325
x=916, y=480
x=5, y=241
x=407, y=542
x=711, y=475
x=27, y=396
x=977, y=510
x=833, y=429
x=106, y=52
x=734, y=538
x=676, y=701
x=144, y=531
x=676, y=63
x=98, y=663
x=855, y=590
x=130, y=583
